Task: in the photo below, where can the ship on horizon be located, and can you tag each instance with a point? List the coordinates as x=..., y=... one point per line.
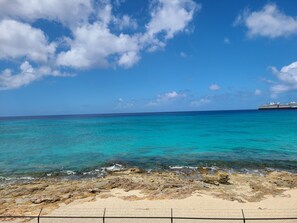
x=278, y=105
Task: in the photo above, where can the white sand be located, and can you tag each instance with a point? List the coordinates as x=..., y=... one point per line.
x=195, y=206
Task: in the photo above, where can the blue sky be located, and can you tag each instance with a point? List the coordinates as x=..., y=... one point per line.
x=84, y=56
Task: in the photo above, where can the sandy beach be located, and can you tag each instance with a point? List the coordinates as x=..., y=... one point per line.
x=134, y=192
x=198, y=205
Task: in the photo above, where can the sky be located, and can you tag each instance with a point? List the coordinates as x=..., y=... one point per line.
x=121, y=56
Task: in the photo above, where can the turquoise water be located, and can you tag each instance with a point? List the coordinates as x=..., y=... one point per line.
x=228, y=139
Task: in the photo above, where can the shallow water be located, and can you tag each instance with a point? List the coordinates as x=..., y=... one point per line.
x=228, y=139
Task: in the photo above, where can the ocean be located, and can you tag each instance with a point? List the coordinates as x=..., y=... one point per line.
x=247, y=140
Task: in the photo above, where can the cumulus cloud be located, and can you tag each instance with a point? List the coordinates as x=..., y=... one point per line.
x=171, y=16
x=27, y=74
x=18, y=39
x=97, y=37
x=167, y=97
x=125, y=22
x=94, y=44
x=168, y=18
x=268, y=22
x=287, y=79
x=68, y=12
x=214, y=87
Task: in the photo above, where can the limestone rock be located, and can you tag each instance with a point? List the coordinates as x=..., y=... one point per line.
x=216, y=179
x=45, y=199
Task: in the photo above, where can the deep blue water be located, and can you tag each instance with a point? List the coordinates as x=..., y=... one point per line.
x=229, y=139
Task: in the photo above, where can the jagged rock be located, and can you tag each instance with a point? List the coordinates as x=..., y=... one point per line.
x=49, y=193
x=223, y=178
x=203, y=170
x=94, y=190
x=216, y=179
x=283, y=179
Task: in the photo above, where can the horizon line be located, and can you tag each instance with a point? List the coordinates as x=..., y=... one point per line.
x=123, y=113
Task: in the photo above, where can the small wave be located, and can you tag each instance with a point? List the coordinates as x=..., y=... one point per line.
x=92, y=172
x=4, y=178
x=16, y=178
x=69, y=172
x=115, y=167
x=101, y=172
x=182, y=167
x=26, y=178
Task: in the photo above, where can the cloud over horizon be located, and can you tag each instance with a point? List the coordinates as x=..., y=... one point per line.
x=286, y=79
x=167, y=97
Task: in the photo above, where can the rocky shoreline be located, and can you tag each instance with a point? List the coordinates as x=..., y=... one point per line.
x=28, y=197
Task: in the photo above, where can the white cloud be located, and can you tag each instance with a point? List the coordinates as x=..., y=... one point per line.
x=171, y=95
x=167, y=97
x=168, y=17
x=97, y=37
x=105, y=13
x=257, y=92
x=287, y=79
x=268, y=22
x=171, y=16
x=199, y=102
x=94, y=44
x=214, y=87
x=26, y=75
x=288, y=74
x=68, y=12
x=125, y=22
x=106, y=16
x=128, y=59
x=22, y=40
